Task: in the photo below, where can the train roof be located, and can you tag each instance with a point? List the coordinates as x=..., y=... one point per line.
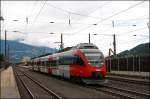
x=86, y=46
x=78, y=46
x=42, y=55
x=65, y=49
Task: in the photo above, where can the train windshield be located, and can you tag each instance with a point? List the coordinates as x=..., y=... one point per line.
x=95, y=59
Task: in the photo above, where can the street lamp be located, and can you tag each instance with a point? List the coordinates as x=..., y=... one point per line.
x=89, y=38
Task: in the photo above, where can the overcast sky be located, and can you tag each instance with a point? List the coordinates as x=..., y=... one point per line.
x=33, y=22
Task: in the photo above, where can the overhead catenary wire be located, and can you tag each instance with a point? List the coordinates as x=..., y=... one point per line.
x=29, y=14
x=66, y=11
x=139, y=18
x=125, y=33
x=45, y=21
x=103, y=31
x=109, y=17
x=73, y=13
x=122, y=34
x=126, y=42
x=36, y=17
x=33, y=7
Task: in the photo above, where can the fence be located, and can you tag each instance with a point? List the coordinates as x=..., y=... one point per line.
x=132, y=63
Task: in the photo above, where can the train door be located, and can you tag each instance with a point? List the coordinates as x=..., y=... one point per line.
x=64, y=66
x=42, y=67
x=46, y=66
x=54, y=66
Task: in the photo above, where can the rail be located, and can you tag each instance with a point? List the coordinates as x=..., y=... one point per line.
x=55, y=95
x=122, y=93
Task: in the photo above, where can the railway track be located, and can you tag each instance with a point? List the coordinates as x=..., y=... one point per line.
x=35, y=89
x=130, y=80
x=119, y=92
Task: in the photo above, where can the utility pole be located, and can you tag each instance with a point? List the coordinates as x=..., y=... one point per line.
x=62, y=44
x=8, y=54
x=89, y=38
x=114, y=37
x=0, y=39
x=1, y=19
x=5, y=59
x=5, y=42
x=149, y=35
x=114, y=44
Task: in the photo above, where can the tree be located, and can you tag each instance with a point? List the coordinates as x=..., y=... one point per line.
x=1, y=57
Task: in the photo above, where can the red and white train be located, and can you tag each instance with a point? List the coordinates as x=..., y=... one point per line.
x=83, y=62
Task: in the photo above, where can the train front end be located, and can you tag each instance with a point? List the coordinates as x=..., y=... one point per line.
x=95, y=67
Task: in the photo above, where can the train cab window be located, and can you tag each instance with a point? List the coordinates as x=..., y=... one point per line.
x=79, y=61
x=95, y=59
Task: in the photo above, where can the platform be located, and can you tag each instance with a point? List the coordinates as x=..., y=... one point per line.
x=132, y=73
x=8, y=83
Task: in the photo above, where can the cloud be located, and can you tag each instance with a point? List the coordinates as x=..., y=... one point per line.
x=82, y=16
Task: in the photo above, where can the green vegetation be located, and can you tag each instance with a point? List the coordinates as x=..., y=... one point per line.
x=1, y=57
x=140, y=50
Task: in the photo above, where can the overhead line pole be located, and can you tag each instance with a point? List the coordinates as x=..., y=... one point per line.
x=5, y=42
x=0, y=39
x=149, y=35
x=8, y=53
x=89, y=38
x=114, y=43
x=5, y=59
x=62, y=44
x=1, y=19
x=114, y=40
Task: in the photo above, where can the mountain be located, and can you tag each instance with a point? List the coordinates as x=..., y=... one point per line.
x=140, y=50
x=18, y=50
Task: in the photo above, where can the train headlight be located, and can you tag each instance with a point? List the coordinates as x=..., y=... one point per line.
x=89, y=63
x=102, y=63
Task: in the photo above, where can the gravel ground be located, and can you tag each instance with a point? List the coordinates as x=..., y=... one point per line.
x=66, y=88
x=37, y=91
